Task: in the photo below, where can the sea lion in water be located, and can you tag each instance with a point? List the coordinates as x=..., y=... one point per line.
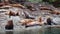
x=9, y=25
x=50, y=21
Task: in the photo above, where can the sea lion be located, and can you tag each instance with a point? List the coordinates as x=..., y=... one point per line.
x=30, y=22
x=26, y=21
x=57, y=12
x=9, y=25
x=11, y=13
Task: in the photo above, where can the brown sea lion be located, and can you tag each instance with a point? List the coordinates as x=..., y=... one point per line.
x=9, y=25
x=10, y=13
x=55, y=12
x=26, y=21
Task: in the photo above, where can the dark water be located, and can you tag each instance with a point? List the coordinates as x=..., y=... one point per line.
x=52, y=31
x=40, y=31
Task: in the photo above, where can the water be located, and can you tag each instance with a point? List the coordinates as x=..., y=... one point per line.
x=52, y=31
x=36, y=31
